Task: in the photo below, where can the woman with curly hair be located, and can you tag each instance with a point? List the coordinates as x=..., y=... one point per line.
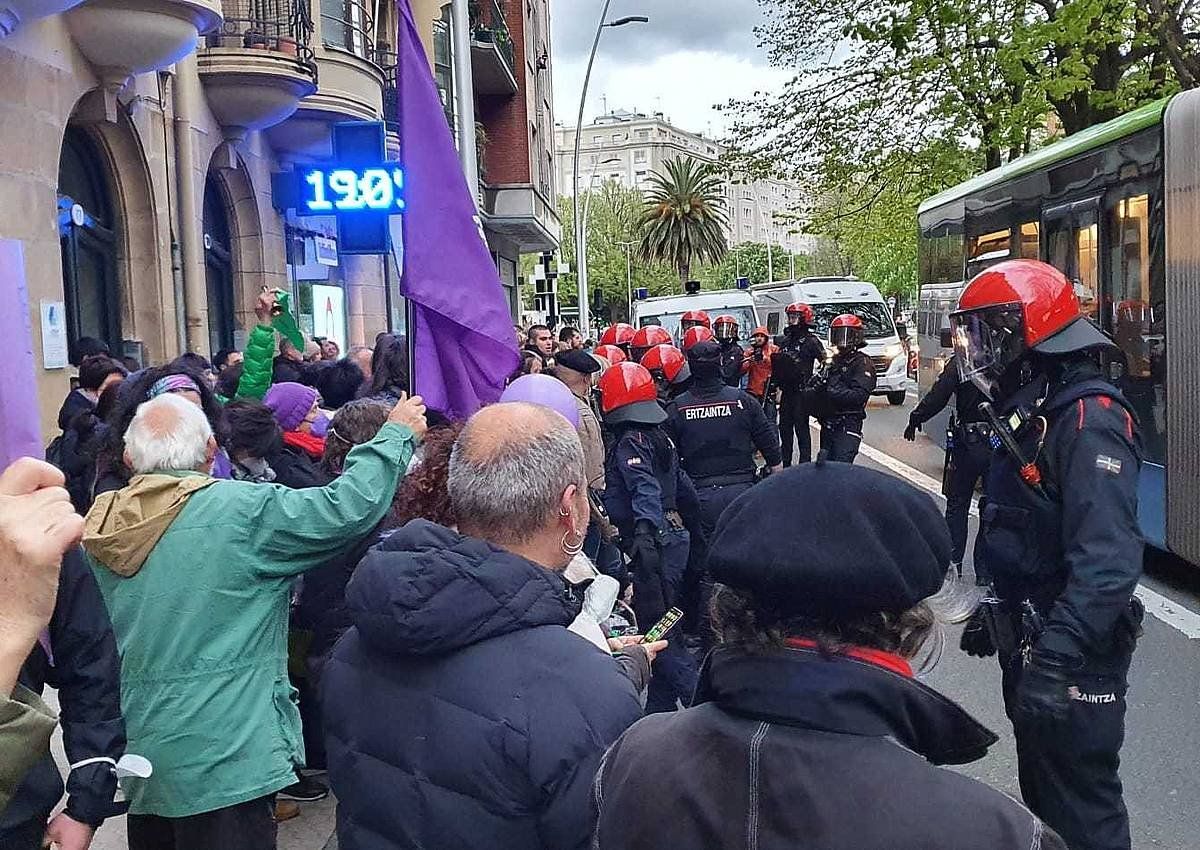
x=423, y=493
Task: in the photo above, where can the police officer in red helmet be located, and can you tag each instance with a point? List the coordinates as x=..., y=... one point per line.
x=1059, y=540
x=792, y=367
x=840, y=397
x=653, y=503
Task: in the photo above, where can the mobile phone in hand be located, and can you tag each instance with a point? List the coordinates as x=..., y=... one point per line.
x=660, y=629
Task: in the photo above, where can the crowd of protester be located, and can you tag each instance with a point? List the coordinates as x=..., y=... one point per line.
x=290, y=566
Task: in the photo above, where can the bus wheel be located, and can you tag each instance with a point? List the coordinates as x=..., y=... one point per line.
x=896, y=398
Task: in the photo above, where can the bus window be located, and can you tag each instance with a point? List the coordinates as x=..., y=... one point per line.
x=989, y=243
x=1029, y=241
x=773, y=323
x=1136, y=321
x=1087, y=265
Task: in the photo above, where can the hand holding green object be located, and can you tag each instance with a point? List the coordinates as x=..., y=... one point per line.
x=282, y=319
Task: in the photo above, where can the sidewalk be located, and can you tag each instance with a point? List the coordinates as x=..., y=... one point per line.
x=313, y=830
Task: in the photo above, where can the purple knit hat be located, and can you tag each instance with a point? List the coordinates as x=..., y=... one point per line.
x=290, y=402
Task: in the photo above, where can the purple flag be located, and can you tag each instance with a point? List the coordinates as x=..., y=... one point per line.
x=20, y=428
x=462, y=334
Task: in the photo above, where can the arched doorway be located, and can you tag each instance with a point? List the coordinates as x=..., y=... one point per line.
x=87, y=233
x=218, y=268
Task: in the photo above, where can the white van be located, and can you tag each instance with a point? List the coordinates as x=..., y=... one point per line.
x=831, y=297
x=668, y=310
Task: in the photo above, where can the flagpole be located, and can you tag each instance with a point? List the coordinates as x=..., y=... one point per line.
x=464, y=88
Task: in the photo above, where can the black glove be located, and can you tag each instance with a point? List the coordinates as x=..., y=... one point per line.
x=1042, y=693
x=910, y=433
x=976, y=637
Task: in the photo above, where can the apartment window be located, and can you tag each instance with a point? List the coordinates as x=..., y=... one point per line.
x=616, y=137
x=641, y=177
x=592, y=159
x=639, y=156
x=747, y=212
x=643, y=135
x=346, y=24
x=443, y=68
x=597, y=140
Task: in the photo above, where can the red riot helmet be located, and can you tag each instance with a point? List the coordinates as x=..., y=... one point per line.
x=799, y=313
x=1011, y=309
x=628, y=394
x=646, y=338
x=846, y=333
x=669, y=362
x=725, y=329
x=694, y=319
x=610, y=353
x=696, y=335
x=619, y=334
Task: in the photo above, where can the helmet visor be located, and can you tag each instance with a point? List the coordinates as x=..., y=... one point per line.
x=845, y=336
x=987, y=342
x=726, y=331
x=690, y=323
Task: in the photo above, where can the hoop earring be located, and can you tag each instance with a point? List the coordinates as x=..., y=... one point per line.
x=572, y=549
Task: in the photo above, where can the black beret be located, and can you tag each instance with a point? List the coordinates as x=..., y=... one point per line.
x=832, y=540
x=578, y=361
x=705, y=352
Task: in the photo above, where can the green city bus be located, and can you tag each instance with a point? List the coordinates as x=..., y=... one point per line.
x=1116, y=207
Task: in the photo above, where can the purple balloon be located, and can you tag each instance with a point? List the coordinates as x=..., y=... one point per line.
x=546, y=391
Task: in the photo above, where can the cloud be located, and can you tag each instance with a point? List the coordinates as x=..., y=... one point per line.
x=721, y=26
x=684, y=84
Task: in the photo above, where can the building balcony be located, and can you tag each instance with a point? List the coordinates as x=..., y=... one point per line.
x=260, y=64
x=523, y=214
x=122, y=38
x=14, y=13
x=350, y=81
x=493, y=63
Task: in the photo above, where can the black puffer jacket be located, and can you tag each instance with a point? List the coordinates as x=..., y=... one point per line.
x=86, y=670
x=459, y=711
x=791, y=749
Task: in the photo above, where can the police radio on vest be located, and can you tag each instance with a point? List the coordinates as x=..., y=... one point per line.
x=350, y=190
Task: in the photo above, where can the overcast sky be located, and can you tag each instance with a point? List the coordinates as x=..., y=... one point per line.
x=693, y=54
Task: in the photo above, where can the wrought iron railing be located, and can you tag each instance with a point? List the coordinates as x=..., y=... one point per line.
x=278, y=26
x=348, y=24
x=490, y=26
x=389, y=62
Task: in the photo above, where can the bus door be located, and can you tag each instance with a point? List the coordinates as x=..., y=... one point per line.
x=1071, y=241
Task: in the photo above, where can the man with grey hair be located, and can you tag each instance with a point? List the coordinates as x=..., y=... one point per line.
x=196, y=574
x=505, y=713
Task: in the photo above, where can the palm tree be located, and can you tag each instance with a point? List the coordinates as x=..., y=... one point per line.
x=683, y=220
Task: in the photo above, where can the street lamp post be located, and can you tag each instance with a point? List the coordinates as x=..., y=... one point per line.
x=628, y=246
x=585, y=320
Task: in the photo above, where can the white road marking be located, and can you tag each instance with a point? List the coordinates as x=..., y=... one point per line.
x=1175, y=615
x=1170, y=612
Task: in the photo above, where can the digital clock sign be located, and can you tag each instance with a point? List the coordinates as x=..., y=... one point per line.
x=358, y=187
x=336, y=191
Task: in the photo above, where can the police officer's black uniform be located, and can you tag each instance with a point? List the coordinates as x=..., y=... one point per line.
x=842, y=403
x=1075, y=556
x=717, y=430
x=968, y=449
x=1060, y=540
x=731, y=363
x=792, y=368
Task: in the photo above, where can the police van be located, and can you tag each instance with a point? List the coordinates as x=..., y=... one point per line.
x=668, y=310
x=829, y=298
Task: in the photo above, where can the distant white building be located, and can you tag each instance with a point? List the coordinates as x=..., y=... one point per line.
x=628, y=146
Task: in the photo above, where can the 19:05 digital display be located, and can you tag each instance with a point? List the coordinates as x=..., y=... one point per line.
x=353, y=190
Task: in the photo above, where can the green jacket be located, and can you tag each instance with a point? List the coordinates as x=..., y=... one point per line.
x=25, y=728
x=258, y=363
x=196, y=574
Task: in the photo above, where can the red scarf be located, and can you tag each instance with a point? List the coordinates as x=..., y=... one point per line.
x=877, y=657
x=313, y=446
